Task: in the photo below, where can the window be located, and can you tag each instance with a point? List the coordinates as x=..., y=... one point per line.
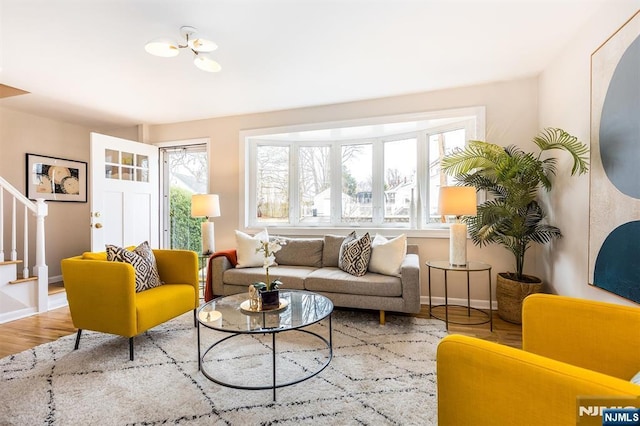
x=377, y=173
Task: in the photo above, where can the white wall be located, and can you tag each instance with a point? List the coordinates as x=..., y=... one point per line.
x=564, y=101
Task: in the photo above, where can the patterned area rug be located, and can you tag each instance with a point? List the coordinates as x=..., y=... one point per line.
x=378, y=375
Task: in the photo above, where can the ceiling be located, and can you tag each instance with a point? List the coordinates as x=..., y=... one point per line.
x=84, y=61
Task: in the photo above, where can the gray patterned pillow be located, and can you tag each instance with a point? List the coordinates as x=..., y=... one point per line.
x=355, y=254
x=143, y=262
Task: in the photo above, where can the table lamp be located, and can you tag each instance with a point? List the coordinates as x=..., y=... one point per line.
x=458, y=201
x=206, y=205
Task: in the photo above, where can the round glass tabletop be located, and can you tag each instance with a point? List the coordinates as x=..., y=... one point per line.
x=470, y=266
x=299, y=309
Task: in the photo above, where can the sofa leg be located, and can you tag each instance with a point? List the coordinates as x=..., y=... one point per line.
x=77, y=339
x=130, y=348
x=382, y=319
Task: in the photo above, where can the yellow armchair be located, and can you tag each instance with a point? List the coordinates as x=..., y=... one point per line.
x=571, y=348
x=102, y=294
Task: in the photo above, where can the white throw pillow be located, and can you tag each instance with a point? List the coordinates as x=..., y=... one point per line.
x=387, y=255
x=246, y=246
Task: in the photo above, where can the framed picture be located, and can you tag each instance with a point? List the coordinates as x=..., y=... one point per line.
x=56, y=179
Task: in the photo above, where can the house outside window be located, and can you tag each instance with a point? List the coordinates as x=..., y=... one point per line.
x=377, y=173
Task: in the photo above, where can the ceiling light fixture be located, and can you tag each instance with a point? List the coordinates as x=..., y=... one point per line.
x=167, y=48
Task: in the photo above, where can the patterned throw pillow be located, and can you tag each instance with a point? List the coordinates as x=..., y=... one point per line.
x=355, y=254
x=143, y=262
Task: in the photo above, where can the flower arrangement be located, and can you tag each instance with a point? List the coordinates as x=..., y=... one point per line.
x=269, y=248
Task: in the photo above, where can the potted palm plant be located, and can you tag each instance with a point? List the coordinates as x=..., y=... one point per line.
x=512, y=216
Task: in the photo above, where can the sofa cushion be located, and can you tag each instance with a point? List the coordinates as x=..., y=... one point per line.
x=331, y=249
x=291, y=276
x=143, y=261
x=246, y=249
x=387, y=255
x=334, y=280
x=300, y=252
x=355, y=254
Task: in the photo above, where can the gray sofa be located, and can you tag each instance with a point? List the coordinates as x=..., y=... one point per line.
x=312, y=264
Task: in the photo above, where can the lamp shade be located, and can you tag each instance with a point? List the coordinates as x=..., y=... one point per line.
x=205, y=205
x=457, y=200
x=162, y=47
x=206, y=63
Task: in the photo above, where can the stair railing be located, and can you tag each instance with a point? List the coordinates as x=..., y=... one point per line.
x=40, y=210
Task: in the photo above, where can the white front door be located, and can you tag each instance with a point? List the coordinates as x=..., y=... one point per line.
x=124, y=193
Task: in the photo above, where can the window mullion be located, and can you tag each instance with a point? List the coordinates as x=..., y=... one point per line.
x=336, y=183
x=294, y=184
x=377, y=196
x=422, y=179
x=252, y=176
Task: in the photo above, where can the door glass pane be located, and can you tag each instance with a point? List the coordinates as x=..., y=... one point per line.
x=142, y=161
x=272, y=183
x=127, y=158
x=315, y=184
x=111, y=172
x=400, y=196
x=127, y=173
x=111, y=156
x=142, y=175
x=187, y=173
x=357, y=178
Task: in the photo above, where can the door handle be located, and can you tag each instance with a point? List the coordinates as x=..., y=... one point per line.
x=98, y=225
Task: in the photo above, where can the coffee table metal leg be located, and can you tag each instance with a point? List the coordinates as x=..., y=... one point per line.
x=273, y=341
x=199, y=358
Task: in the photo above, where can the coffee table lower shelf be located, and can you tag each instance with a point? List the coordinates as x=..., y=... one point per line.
x=274, y=385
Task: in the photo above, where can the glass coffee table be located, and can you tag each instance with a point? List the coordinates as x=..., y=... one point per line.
x=231, y=314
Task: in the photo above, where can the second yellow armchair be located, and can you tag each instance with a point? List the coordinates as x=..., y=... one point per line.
x=571, y=348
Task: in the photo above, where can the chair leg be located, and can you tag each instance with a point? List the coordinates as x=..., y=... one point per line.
x=195, y=318
x=78, y=339
x=130, y=348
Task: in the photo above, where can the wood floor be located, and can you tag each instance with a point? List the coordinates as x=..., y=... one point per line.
x=17, y=336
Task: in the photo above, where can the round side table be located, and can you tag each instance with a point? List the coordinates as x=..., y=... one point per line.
x=468, y=268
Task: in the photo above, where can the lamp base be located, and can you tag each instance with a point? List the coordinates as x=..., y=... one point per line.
x=458, y=244
x=208, y=240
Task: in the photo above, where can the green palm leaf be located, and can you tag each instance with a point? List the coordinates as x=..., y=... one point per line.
x=512, y=178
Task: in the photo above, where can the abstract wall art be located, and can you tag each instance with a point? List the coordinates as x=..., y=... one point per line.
x=614, y=198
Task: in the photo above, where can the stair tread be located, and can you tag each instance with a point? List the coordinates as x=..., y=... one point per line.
x=22, y=280
x=10, y=262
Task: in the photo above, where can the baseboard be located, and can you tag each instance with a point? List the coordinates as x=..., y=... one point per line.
x=55, y=279
x=17, y=314
x=57, y=300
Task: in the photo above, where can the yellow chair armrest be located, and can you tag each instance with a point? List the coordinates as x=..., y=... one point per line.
x=485, y=383
x=101, y=295
x=179, y=267
x=598, y=336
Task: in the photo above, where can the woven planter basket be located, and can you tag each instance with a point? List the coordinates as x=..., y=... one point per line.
x=510, y=294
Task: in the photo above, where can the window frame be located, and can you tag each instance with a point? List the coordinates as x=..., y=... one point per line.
x=474, y=124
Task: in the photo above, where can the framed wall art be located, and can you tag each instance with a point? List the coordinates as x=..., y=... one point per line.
x=614, y=196
x=56, y=179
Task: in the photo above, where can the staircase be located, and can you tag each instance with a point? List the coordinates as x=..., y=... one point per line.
x=22, y=293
